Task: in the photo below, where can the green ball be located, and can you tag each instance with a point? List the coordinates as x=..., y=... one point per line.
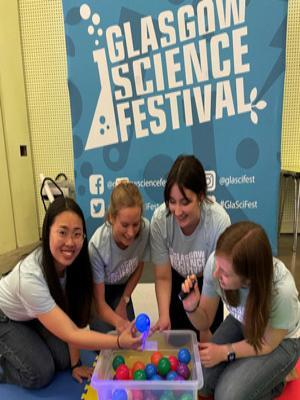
x=118, y=360
x=163, y=366
x=167, y=395
x=139, y=375
x=186, y=396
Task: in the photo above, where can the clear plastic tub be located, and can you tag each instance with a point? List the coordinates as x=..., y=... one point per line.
x=168, y=343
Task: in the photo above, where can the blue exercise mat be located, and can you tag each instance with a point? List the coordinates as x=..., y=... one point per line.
x=62, y=387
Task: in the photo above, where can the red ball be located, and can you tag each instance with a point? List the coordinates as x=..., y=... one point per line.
x=122, y=372
x=174, y=362
x=137, y=365
x=130, y=374
x=156, y=356
x=137, y=394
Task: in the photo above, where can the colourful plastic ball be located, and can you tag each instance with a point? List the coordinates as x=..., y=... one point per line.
x=156, y=377
x=130, y=376
x=138, y=365
x=171, y=375
x=184, y=356
x=142, y=323
x=118, y=360
x=149, y=395
x=179, y=378
x=163, y=366
x=150, y=370
x=156, y=356
x=122, y=372
x=137, y=394
x=139, y=375
x=186, y=396
x=183, y=370
x=119, y=394
x=174, y=362
x=169, y=395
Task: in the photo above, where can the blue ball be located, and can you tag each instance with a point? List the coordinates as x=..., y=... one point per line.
x=142, y=323
x=156, y=377
x=184, y=356
x=150, y=370
x=119, y=394
x=171, y=375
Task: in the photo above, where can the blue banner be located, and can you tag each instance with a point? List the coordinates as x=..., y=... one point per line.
x=151, y=80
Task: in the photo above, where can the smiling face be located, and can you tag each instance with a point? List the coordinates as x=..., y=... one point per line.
x=65, y=239
x=186, y=209
x=126, y=226
x=225, y=274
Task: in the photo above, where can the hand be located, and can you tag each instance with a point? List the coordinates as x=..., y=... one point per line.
x=212, y=354
x=82, y=372
x=190, y=285
x=162, y=324
x=128, y=340
x=122, y=324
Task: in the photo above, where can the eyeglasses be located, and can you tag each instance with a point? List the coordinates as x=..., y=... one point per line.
x=76, y=236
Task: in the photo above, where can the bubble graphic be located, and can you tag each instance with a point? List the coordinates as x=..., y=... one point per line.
x=100, y=32
x=86, y=169
x=78, y=146
x=96, y=19
x=247, y=153
x=85, y=11
x=91, y=30
x=81, y=190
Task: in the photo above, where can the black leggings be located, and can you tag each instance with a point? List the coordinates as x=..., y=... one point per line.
x=179, y=319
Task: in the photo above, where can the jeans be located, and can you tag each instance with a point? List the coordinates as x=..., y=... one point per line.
x=30, y=354
x=251, y=378
x=113, y=295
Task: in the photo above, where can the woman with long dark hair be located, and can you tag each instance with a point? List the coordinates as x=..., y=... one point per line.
x=45, y=305
x=257, y=345
x=184, y=232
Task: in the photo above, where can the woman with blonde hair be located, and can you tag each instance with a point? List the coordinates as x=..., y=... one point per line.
x=118, y=249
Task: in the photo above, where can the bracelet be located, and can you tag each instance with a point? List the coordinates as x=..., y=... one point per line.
x=118, y=342
x=194, y=309
x=78, y=364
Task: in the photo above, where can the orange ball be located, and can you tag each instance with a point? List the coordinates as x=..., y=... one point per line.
x=156, y=356
x=138, y=365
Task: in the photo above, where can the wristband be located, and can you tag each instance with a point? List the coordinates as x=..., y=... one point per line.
x=194, y=309
x=78, y=364
x=118, y=342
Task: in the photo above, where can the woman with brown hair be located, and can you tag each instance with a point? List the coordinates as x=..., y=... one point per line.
x=258, y=344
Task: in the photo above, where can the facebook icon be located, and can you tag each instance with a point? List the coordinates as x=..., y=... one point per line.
x=96, y=184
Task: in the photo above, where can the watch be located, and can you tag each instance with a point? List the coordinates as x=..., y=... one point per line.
x=126, y=299
x=231, y=356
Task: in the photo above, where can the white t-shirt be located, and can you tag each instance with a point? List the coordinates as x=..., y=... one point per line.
x=285, y=308
x=187, y=254
x=110, y=263
x=24, y=293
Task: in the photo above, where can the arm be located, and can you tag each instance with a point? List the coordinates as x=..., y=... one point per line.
x=129, y=288
x=163, y=279
x=81, y=371
x=212, y=354
x=201, y=310
x=105, y=312
x=60, y=325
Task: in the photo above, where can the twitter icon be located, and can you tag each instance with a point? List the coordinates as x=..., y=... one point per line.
x=97, y=208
